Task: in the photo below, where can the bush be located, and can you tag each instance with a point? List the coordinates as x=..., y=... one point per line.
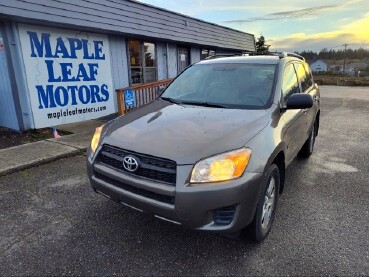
x=341, y=80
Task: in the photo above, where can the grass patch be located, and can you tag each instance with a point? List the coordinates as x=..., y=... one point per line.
x=9, y=138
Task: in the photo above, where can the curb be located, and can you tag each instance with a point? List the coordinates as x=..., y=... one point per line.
x=25, y=156
x=38, y=163
x=34, y=154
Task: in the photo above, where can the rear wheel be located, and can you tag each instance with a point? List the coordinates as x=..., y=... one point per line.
x=260, y=227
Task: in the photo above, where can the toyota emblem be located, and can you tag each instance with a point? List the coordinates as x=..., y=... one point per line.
x=130, y=163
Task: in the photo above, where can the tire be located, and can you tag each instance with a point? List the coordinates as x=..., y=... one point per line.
x=308, y=147
x=266, y=208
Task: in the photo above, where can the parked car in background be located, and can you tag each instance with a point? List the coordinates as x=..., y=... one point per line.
x=210, y=152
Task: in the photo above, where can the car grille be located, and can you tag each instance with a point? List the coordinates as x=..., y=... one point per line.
x=148, y=194
x=152, y=168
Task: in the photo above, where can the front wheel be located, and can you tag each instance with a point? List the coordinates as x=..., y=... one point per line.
x=260, y=227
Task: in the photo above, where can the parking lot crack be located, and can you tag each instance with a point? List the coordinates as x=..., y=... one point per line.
x=22, y=239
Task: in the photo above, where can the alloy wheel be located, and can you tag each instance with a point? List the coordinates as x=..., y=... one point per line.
x=268, y=206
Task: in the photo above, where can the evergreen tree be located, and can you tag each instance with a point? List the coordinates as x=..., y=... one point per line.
x=261, y=46
x=324, y=54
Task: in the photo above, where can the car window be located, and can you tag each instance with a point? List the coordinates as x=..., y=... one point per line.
x=290, y=82
x=304, y=76
x=189, y=83
x=231, y=85
x=301, y=75
x=309, y=75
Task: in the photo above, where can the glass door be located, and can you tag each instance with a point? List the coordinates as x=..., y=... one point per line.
x=150, y=62
x=183, y=59
x=135, y=60
x=142, y=60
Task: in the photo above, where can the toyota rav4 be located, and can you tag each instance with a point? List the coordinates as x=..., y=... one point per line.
x=210, y=152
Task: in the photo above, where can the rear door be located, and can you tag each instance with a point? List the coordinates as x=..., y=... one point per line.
x=307, y=86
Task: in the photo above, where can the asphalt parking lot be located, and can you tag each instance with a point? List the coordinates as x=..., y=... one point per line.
x=51, y=222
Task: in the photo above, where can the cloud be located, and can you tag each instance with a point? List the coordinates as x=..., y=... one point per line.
x=295, y=14
x=331, y=25
x=308, y=12
x=354, y=33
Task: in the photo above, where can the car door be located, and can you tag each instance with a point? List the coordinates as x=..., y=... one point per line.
x=294, y=120
x=307, y=86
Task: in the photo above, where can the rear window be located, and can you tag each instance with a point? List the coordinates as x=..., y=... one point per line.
x=231, y=85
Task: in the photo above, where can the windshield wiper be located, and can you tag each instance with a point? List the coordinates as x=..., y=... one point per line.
x=171, y=100
x=204, y=104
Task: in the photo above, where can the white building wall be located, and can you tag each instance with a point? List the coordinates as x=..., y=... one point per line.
x=119, y=64
x=18, y=80
x=195, y=54
x=172, y=60
x=319, y=66
x=8, y=116
x=162, y=60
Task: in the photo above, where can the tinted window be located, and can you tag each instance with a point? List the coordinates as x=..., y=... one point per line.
x=290, y=82
x=309, y=75
x=304, y=77
x=301, y=75
x=232, y=85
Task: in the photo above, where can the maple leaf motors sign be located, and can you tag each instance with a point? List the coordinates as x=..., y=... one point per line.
x=68, y=75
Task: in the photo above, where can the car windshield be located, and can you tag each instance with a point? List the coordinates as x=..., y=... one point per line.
x=247, y=86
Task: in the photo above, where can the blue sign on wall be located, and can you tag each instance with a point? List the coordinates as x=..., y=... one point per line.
x=129, y=98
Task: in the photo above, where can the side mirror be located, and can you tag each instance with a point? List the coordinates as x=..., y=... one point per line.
x=299, y=101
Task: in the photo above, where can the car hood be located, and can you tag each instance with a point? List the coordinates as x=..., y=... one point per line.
x=184, y=133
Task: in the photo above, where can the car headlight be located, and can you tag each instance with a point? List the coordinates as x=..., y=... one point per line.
x=96, y=139
x=223, y=167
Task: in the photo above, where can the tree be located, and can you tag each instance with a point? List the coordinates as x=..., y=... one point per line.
x=261, y=46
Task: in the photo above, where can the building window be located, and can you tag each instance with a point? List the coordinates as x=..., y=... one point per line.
x=142, y=59
x=206, y=53
x=150, y=62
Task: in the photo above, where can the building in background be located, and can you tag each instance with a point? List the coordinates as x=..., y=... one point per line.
x=61, y=60
x=319, y=66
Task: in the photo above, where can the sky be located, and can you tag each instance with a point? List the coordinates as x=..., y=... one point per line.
x=287, y=25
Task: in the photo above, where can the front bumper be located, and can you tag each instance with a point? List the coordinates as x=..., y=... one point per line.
x=190, y=206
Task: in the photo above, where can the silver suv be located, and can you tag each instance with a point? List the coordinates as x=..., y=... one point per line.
x=210, y=152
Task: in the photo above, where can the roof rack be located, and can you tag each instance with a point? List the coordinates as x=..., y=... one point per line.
x=289, y=54
x=281, y=55
x=217, y=56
